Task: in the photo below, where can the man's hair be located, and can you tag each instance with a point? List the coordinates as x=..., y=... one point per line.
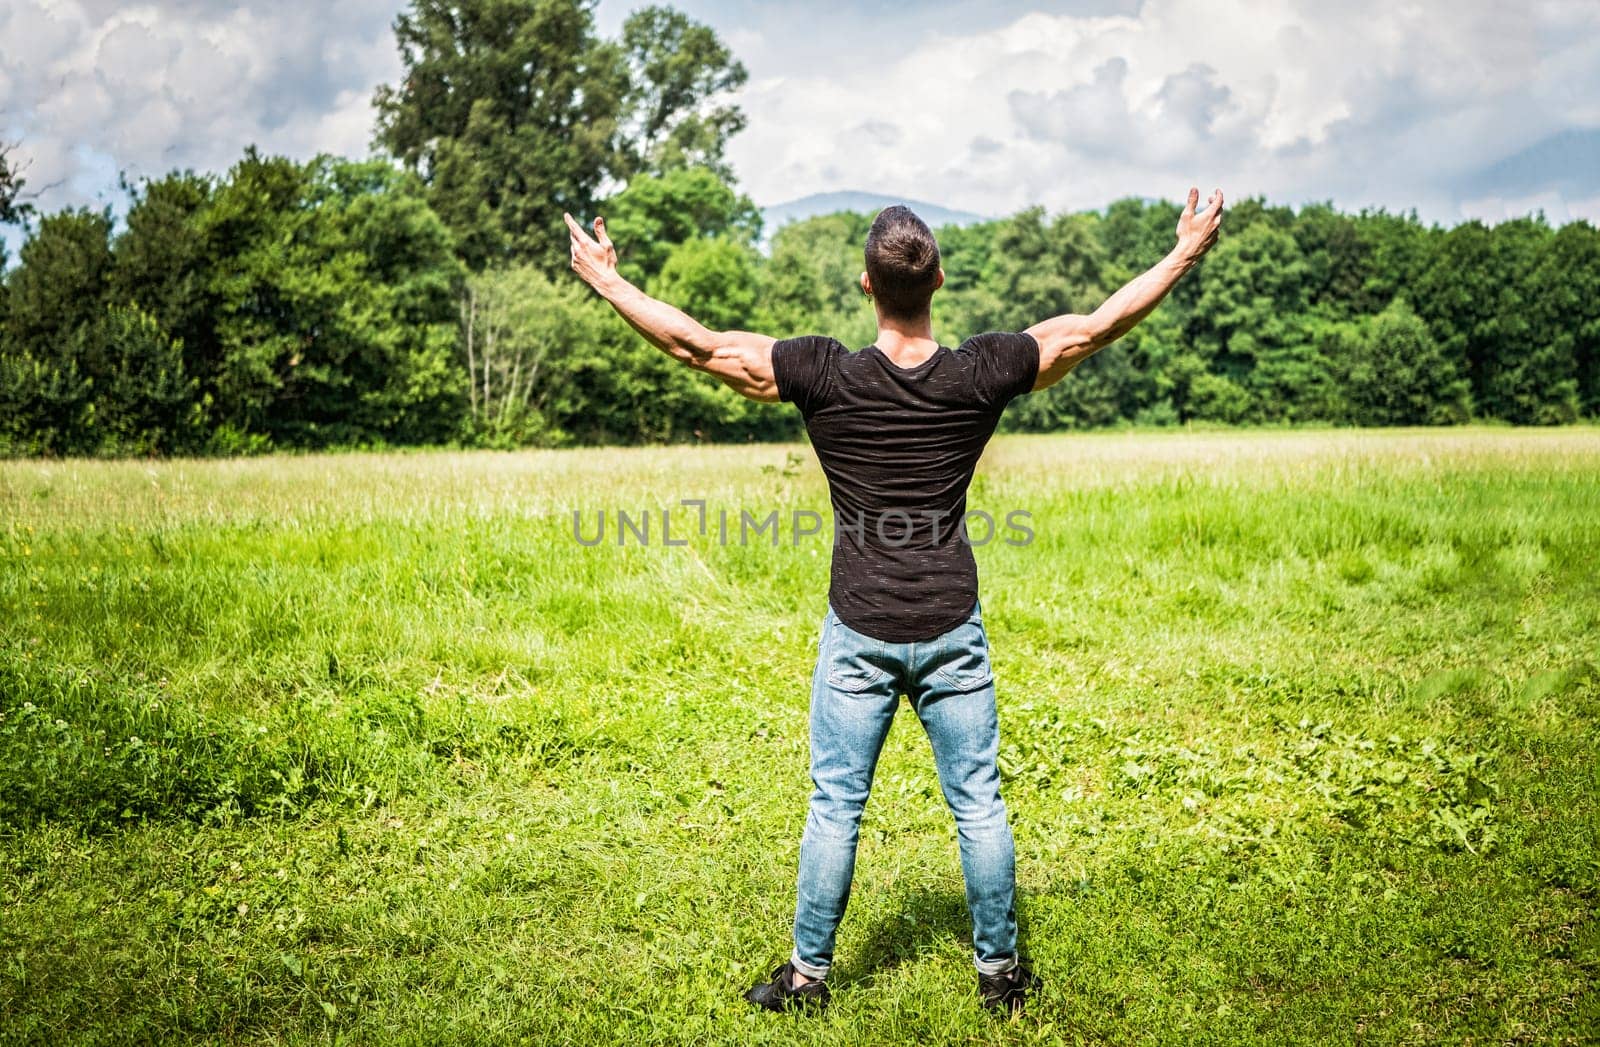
x=902, y=262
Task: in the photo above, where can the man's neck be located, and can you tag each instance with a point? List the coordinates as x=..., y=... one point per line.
x=906, y=342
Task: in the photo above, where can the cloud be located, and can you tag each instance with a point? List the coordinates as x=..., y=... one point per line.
x=1367, y=104
x=97, y=86
x=985, y=108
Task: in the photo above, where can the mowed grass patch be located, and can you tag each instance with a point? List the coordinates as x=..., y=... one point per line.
x=1298, y=735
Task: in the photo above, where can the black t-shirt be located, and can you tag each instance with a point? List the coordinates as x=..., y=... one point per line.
x=898, y=446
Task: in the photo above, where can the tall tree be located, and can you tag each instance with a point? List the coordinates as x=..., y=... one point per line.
x=510, y=112
x=1461, y=293
x=163, y=264
x=513, y=111
x=56, y=292
x=1336, y=260
x=1398, y=249
x=680, y=76
x=1563, y=298
x=60, y=282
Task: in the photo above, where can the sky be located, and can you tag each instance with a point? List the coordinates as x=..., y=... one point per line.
x=1460, y=109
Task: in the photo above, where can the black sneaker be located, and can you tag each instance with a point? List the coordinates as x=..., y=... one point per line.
x=1009, y=991
x=780, y=994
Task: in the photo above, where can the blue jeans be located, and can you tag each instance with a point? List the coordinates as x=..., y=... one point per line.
x=854, y=693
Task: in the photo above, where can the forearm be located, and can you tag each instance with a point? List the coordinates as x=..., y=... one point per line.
x=1137, y=299
x=667, y=328
x=1067, y=341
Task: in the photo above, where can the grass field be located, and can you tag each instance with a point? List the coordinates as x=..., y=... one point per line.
x=1299, y=735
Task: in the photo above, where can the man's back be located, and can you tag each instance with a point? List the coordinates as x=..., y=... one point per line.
x=899, y=445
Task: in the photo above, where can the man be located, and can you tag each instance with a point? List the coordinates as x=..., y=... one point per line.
x=898, y=428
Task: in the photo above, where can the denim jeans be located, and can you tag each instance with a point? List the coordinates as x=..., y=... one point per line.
x=854, y=693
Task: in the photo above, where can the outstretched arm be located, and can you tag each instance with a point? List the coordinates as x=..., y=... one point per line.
x=1066, y=341
x=741, y=359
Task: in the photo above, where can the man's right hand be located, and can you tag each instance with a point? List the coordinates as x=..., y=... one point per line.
x=1197, y=233
x=594, y=258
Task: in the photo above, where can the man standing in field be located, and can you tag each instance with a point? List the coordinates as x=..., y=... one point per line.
x=898, y=428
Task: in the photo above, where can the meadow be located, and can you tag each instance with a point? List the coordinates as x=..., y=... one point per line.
x=1299, y=737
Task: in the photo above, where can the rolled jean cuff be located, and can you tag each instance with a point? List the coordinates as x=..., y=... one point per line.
x=809, y=970
x=991, y=967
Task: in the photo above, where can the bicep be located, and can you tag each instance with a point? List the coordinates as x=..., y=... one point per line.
x=1064, y=342
x=742, y=360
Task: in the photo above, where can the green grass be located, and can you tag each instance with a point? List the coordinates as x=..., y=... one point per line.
x=1299, y=733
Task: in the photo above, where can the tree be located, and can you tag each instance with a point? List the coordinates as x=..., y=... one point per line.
x=334, y=305
x=85, y=373
x=509, y=111
x=163, y=264
x=1549, y=379
x=1397, y=373
x=57, y=290
x=60, y=282
x=144, y=403
x=679, y=78
x=513, y=111
x=1473, y=296
x=1564, y=305
x=519, y=330
x=1035, y=270
x=1336, y=257
x=45, y=404
x=1398, y=250
x=810, y=283
x=14, y=205
x=656, y=213
x=714, y=280
x=1247, y=322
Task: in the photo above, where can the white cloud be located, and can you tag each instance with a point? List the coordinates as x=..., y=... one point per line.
x=145, y=88
x=979, y=107
x=1371, y=103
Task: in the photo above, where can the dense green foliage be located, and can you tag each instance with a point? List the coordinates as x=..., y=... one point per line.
x=285, y=304
x=423, y=298
x=322, y=304
x=1298, y=736
x=512, y=111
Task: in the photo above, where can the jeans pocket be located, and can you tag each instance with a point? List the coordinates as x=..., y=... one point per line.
x=965, y=665
x=850, y=659
x=854, y=676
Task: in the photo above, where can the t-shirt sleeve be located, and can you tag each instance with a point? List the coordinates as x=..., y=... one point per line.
x=800, y=368
x=1007, y=365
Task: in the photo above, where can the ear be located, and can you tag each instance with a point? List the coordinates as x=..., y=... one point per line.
x=938, y=281
x=866, y=284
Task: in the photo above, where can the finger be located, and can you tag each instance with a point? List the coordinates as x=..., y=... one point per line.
x=600, y=232
x=1194, y=198
x=578, y=235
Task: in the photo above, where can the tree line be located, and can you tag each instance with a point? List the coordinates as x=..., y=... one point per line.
x=421, y=296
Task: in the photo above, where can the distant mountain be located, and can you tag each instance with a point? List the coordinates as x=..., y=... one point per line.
x=779, y=215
